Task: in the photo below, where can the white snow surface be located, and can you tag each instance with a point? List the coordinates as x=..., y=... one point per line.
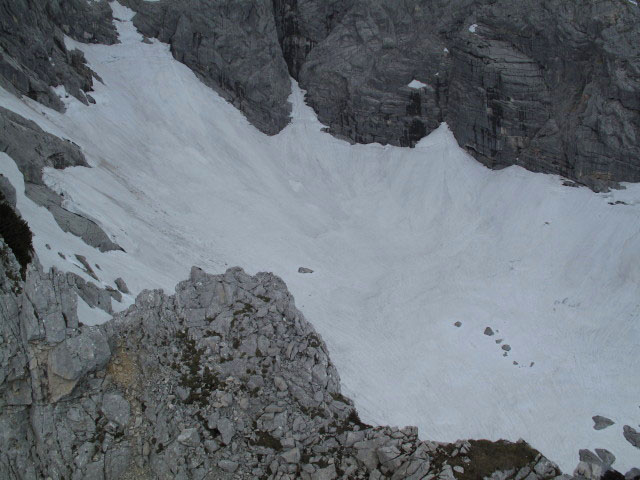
x=417, y=84
x=403, y=243
x=472, y=28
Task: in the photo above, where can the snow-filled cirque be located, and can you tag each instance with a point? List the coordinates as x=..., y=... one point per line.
x=403, y=243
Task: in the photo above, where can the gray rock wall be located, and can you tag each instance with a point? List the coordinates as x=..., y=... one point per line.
x=356, y=79
x=555, y=90
x=552, y=86
x=302, y=24
x=232, y=46
x=33, y=56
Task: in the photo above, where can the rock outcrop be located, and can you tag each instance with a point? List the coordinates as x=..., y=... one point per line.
x=33, y=55
x=232, y=46
x=555, y=90
x=32, y=149
x=224, y=379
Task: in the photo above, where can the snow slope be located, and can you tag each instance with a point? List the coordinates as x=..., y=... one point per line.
x=403, y=242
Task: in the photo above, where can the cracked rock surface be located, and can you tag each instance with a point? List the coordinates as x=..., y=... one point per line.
x=33, y=55
x=554, y=91
x=223, y=379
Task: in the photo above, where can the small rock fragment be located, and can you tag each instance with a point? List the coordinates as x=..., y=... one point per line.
x=600, y=422
x=122, y=286
x=632, y=436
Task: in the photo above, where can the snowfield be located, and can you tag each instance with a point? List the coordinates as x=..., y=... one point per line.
x=403, y=244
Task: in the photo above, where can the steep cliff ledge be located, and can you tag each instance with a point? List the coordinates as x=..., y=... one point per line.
x=554, y=90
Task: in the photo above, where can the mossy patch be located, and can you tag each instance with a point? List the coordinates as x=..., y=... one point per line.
x=265, y=439
x=488, y=457
x=200, y=384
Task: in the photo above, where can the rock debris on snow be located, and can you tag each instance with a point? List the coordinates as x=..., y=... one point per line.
x=600, y=422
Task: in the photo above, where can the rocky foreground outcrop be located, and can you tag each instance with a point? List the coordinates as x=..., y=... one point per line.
x=223, y=379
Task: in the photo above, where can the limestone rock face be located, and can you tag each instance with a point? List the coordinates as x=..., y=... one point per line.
x=555, y=90
x=357, y=78
x=33, y=56
x=232, y=46
x=302, y=24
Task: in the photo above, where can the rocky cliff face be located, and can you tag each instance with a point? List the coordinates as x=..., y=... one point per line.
x=555, y=90
x=232, y=46
x=33, y=55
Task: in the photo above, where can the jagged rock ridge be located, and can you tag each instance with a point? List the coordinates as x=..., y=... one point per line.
x=224, y=379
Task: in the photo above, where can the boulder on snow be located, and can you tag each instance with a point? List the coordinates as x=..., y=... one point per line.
x=631, y=435
x=600, y=422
